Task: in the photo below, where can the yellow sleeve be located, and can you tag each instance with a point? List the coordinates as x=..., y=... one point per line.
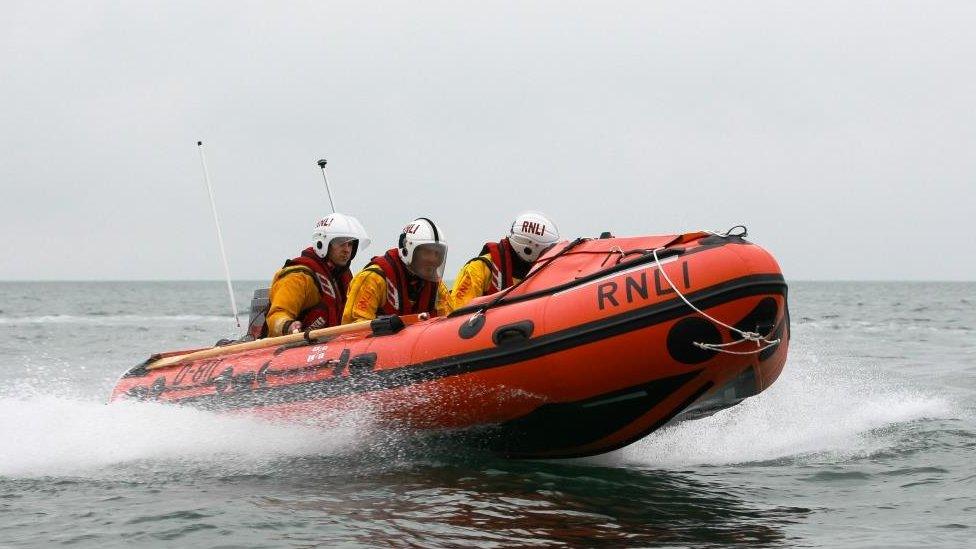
x=290, y=294
x=367, y=294
x=472, y=281
x=445, y=303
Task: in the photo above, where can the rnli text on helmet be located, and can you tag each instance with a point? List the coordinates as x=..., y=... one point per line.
x=533, y=227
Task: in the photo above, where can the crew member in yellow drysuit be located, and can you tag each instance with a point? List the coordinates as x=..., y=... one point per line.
x=309, y=291
x=405, y=280
x=506, y=262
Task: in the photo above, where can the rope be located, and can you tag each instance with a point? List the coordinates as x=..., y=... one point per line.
x=741, y=234
x=613, y=250
x=720, y=347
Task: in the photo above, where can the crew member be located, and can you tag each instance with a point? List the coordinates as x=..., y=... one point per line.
x=405, y=280
x=309, y=292
x=506, y=262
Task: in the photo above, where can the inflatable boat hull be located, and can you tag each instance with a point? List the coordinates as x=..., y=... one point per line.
x=593, y=352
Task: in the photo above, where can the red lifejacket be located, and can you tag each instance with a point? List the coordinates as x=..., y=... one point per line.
x=333, y=285
x=500, y=266
x=406, y=293
x=506, y=266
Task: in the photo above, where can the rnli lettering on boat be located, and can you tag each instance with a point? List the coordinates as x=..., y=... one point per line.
x=635, y=286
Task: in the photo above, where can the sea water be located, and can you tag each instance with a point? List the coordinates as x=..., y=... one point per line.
x=867, y=439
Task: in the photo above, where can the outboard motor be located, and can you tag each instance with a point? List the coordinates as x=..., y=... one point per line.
x=256, y=327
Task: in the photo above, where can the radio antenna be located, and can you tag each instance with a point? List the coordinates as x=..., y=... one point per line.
x=220, y=238
x=328, y=189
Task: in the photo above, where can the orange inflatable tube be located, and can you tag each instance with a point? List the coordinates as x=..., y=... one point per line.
x=604, y=342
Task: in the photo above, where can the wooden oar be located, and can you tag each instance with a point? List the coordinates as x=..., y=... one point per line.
x=273, y=342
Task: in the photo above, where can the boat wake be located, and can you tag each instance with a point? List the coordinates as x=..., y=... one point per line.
x=48, y=435
x=815, y=412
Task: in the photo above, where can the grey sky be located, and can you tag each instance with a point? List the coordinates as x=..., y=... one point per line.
x=841, y=133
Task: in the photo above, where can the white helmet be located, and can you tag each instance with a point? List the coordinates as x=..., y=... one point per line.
x=422, y=233
x=531, y=234
x=341, y=228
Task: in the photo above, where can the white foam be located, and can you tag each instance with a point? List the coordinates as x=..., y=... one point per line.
x=112, y=320
x=814, y=411
x=817, y=410
x=46, y=435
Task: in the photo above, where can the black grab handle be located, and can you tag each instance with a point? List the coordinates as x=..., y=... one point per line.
x=510, y=334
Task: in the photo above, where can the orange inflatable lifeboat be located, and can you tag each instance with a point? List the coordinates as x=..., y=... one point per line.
x=605, y=341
